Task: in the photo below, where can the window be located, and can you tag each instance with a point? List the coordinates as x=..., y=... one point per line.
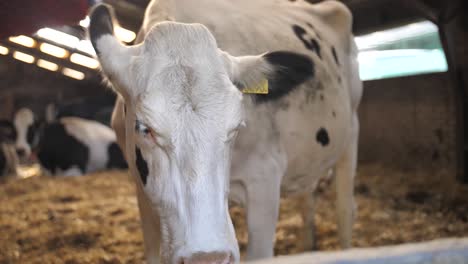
x=409, y=50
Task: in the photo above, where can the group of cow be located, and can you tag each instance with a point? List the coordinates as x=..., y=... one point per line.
x=67, y=146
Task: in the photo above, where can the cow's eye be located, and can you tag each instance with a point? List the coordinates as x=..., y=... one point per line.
x=143, y=129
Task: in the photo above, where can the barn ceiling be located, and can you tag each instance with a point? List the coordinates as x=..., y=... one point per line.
x=74, y=57
x=370, y=15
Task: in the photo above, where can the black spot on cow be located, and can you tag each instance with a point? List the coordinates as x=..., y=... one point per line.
x=334, y=114
x=315, y=31
x=100, y=23
x=142, y=166
x=116, y=158
x=290, y=71
x=309, y=42
x=335, y=56
x=316, y=47
x=322, y=137
x=59, y=150
x=322, y=97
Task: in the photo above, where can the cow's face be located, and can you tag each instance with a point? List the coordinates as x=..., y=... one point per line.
x=26, y=133
x=183, y=113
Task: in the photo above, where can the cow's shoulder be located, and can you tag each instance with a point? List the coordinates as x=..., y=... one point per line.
x=335, y=14
x=333, y=20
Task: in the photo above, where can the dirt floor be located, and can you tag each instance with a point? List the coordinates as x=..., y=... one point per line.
x=94, y=219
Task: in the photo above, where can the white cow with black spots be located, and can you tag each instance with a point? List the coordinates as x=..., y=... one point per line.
x=193, y=139
x=68, y=146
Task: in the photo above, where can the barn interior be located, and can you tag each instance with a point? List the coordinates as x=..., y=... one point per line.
x=411, y=183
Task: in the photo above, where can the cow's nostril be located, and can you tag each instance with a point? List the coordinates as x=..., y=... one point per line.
x=209, y=258
x=21, y=152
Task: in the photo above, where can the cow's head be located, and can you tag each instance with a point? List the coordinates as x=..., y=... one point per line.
x=27, y=133
x=184, y=107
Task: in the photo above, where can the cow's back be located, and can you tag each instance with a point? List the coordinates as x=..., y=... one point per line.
x=98, y=138
x=248, y=27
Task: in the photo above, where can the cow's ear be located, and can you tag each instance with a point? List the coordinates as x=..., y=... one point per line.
x=101, y=24
x=114, y=57
x=283, y=70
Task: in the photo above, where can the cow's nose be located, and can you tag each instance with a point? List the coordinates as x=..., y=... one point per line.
x=21, y=152
x=209, y=258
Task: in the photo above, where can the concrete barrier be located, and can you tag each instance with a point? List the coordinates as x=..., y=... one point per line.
x=449, y=251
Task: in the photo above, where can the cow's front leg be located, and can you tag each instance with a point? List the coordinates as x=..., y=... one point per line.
x=262, y=214
x=345, y=172
x=150, y=227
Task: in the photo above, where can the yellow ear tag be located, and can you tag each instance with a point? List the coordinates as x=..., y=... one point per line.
x=261, y=88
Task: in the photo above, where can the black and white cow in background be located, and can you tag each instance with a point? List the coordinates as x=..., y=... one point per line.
x=97, y=108
x=8, y=157
x=69, y=146
x=193, y=139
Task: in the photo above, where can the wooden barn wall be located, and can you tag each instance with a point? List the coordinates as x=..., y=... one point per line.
x=409, y=123
x=24, y=85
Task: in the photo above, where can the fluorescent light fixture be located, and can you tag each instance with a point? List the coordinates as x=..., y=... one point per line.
x=84, y=61
x=73, y=73
x=53, y=50
x=58, y=37
x=47, y=65
x=124, y=35
x=23, y=41
x=23, y=57
x=4, y=50
x=86, y=47
x=85, y=22
x=370, y=41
